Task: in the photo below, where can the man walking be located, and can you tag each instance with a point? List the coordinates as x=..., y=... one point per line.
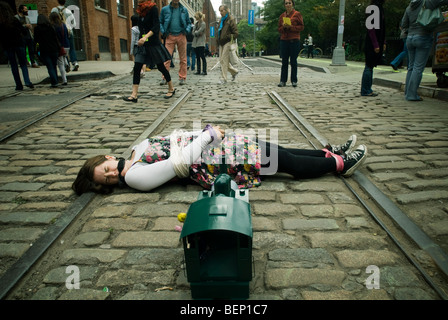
x=175, y=25
x=22, y=15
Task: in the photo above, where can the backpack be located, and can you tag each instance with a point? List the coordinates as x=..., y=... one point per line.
x=61, y=14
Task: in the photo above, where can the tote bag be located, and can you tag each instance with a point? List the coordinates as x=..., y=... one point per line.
x=429, y=19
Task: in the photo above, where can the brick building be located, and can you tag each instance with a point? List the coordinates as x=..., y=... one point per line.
x=104, y=27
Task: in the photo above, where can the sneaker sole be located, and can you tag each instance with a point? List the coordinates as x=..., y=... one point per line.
x=350, y=171
x=353, y=144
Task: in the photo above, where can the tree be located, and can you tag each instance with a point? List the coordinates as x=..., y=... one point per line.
x=321, y=20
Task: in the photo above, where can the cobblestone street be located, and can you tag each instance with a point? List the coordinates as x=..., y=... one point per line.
x=312, y=239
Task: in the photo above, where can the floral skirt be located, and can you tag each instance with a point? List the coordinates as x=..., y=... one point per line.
x=238, y=155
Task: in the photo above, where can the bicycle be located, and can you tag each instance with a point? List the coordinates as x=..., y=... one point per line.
x=317, y=52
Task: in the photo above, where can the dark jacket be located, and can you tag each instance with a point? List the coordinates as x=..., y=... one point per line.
x=150, y=22
x=13, y=35
x=229, y=28
x=45, y=36
x=375, y=38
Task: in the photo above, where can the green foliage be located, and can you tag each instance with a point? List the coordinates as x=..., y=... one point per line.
x=321, y=20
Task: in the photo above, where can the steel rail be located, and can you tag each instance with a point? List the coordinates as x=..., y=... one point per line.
x=389, y=208
x=13, y=275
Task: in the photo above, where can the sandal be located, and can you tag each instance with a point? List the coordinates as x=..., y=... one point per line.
x=170, y=94
x=131, y=99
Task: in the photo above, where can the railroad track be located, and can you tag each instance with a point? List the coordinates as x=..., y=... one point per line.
x=405, y=235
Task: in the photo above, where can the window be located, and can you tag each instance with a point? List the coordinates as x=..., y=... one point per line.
x=120, y=7
x=100, y=4
x=103, y=44
x=123, y=45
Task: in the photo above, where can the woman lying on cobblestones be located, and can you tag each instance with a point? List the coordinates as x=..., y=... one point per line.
x=198, y=155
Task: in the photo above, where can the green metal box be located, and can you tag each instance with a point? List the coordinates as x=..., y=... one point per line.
x=217, y=242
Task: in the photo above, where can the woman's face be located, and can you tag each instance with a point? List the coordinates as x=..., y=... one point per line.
x=288, y=4
x=107, y=172
x=222, y=11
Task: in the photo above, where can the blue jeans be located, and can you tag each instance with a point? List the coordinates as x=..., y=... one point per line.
x=367, y=81
x=20, y=52
x=289, y=51
x=50, y=61
x=396, y=62
x=419, y=48
x=72, y=52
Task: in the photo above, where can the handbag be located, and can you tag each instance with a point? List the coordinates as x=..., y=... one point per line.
x=233, y=51
x=62, y=51
x=428, y=18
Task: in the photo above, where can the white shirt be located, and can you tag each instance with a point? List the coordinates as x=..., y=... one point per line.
x=144, y=176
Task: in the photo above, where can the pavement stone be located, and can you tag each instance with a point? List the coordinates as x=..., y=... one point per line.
x=311, y=239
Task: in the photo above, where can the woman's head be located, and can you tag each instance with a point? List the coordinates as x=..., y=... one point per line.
x=199, y=15
x=55, y=18
x=98, y=174
x=42, y=19
x=223, y=10
x=289, y=2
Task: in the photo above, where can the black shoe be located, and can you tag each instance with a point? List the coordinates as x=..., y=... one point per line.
x=282, y=84
x=353, y=160
x=19, y=88
x=198, y=72
x=31, y=86
x=342, y=149
x=130, y=99
x=170, y=94
x=393, y=67
x=204, y=73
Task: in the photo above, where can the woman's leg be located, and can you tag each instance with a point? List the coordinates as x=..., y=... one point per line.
x=198, y=61
x=204, y=60
x=422, y=48
x=166, y=75
x=298, y=162
x=284, y=51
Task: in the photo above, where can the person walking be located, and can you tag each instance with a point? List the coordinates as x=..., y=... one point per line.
x=49, y=46
x=419, y=43
x=310, y=47
x=62, y=34
x=290, y=24
x=68, y=18
x=22, y=16
x=199, y=43
x=175, y=24
x=12, y=40
x=149, y=48
x=227, y=32
x=375, y=44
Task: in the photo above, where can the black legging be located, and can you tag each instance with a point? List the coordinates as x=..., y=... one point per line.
x=200, y=55
x=298, y=162
x=138, y=67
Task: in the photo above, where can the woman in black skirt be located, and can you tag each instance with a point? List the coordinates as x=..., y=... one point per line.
x=150, y=50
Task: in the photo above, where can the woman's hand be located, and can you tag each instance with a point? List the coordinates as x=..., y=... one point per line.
x=219, y=132
x=141, y=42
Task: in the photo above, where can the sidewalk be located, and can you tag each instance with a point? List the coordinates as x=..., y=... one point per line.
x=382, y=75
x=87, y=70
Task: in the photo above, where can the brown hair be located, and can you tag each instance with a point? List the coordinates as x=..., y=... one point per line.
x=84, y=181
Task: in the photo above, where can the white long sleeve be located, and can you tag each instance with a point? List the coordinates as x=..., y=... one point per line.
x=145, y=177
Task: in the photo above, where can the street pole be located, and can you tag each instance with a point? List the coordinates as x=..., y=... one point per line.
x=339, y=52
